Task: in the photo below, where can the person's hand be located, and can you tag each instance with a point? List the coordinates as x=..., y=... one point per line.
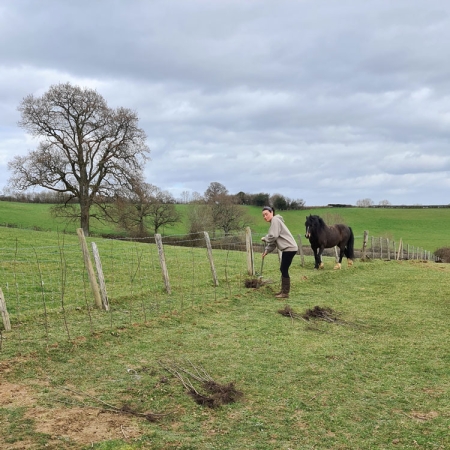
x=264, y=255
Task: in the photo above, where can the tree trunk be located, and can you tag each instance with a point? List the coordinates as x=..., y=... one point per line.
x=84, y=222
x=142, y=228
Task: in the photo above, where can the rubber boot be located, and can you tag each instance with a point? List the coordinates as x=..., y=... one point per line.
x=281, y=288
x=285, y=288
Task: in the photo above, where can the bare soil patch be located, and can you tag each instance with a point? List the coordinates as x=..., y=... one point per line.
x=82, y=425
x=77, y=425
x=15, y=395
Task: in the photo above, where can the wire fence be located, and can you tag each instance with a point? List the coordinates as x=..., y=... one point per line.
x=46, y=293
x=382, y=248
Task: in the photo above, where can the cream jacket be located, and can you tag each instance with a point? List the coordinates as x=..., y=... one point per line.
x=279, y=237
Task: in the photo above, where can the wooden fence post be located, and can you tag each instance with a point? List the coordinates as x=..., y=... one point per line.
x=249, y=249
x=364, y=247
x=400, y=250
x=300, y=249
x=4, y=311
x=162, y=262
x=89, y=268
x=388, y=250
x=210, y=257
x=101, y=278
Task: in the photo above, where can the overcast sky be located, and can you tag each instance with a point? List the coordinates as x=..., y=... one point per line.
x=325, y=101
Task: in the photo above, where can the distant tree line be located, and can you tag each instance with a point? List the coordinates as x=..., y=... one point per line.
x=369, y=203
x=47, y=197
x=141, y=209
x=278, y=201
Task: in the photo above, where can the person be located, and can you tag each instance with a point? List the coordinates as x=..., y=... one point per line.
x=280, y=237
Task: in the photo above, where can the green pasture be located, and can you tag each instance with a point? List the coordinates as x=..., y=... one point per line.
x=31, y=216
x=374, y=375
x=419, y=227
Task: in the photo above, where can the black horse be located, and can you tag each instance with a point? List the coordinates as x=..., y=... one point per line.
x=322, y=236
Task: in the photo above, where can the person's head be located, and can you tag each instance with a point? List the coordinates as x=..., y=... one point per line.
x=268, y=213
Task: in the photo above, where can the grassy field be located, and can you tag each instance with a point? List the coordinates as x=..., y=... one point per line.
x=375, y=374
x=421, y=227
x=378, y=379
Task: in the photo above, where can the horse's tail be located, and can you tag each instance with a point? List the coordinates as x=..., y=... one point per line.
x=349, y=250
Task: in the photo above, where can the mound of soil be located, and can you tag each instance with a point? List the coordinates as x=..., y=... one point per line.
x=252, y=283
x=320, y=313
x=287, y=311
x=217, y=394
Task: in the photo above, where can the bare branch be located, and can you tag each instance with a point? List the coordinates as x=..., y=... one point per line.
x=85, y=148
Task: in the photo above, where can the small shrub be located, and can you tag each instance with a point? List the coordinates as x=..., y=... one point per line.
x=443, y=254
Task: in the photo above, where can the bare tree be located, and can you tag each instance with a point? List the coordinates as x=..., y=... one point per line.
x=162, y=211
x=185, y=196
x=215, y=191
x=86, y=149
x=364, y=203
x=229, y=216
x=196, y=197
x=141, y=206
x=130, y=208
x=298, y=203
x=225, y=213
x=199, y=216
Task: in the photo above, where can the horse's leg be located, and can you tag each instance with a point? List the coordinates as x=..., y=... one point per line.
x=349, y=260
x=316, y=258
x=349, y=250
x=341, y=255
x=320, y=257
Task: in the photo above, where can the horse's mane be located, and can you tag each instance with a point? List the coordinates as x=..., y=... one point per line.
x=317, y=221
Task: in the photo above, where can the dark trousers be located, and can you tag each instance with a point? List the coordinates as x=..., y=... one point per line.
x=286, y=261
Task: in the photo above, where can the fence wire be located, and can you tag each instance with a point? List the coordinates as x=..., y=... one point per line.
x=49, y=297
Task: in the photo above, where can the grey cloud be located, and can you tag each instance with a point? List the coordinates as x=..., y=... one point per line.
x=325, y=101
